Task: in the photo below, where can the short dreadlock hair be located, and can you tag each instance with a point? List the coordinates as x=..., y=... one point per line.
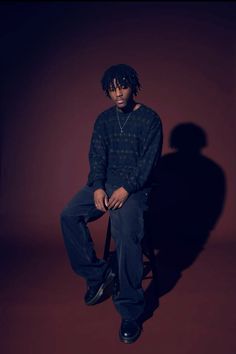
x=124, y=74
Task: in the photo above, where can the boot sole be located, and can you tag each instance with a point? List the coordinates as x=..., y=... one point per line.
x=102, y=289
x=129, y=340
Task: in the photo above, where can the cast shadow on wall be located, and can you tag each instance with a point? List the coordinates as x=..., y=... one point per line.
x=185, y=205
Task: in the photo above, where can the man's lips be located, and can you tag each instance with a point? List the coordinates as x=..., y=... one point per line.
x=120, y=100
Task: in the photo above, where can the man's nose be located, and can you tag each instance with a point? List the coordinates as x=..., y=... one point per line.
x=118, y=92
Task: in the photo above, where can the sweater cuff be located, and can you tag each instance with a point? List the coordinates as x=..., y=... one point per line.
x=128, y=188
x=98, y=184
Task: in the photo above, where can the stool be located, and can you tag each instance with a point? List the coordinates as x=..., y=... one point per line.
x=148, y=252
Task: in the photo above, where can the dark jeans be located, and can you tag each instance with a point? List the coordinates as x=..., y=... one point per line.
x=127, y=229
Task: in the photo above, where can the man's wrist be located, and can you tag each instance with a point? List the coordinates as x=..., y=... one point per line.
x=128, y=188
x=99, y=189
x=124, y=189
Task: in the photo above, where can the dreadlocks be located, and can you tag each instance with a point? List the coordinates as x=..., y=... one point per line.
x=124, y=76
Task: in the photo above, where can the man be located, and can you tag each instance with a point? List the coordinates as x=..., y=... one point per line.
x=125, y=147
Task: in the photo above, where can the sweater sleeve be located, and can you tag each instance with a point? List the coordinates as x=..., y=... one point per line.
x=98, y=156
x=150, y=154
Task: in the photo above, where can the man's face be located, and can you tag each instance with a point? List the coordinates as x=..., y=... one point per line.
x=121, y=94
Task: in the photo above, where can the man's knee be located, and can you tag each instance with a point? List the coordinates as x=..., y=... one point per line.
x=68, y=215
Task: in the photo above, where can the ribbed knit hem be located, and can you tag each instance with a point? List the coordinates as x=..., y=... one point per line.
x=98, y=184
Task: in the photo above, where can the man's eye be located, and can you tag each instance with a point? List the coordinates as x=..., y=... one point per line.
x=123, y=87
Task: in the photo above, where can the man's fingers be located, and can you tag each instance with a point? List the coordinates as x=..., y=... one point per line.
x=106, y=201
x=100, y=199
x=119, y=196
x=112, y=203
x=115, y=204
x=99, y=205
x=116, y=200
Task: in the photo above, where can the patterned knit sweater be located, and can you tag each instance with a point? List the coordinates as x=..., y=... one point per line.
x=125, y=159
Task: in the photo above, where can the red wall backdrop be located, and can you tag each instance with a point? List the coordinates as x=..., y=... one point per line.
x=53, y=56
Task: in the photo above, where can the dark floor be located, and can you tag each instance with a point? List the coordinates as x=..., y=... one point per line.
x=42, y=309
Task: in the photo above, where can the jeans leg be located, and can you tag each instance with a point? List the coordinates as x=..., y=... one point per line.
x=127, y=228
x=77, y=238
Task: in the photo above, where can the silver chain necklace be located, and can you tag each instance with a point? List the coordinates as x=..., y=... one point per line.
x=121, y=127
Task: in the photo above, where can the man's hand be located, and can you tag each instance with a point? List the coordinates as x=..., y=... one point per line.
x=100, y=199
x=118, y=198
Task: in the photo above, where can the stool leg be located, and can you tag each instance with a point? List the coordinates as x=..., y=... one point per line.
x=152, y=259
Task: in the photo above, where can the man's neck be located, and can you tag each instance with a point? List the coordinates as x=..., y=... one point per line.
x=131, y=106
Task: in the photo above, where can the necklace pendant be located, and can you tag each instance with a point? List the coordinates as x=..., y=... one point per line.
x=121, y=127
